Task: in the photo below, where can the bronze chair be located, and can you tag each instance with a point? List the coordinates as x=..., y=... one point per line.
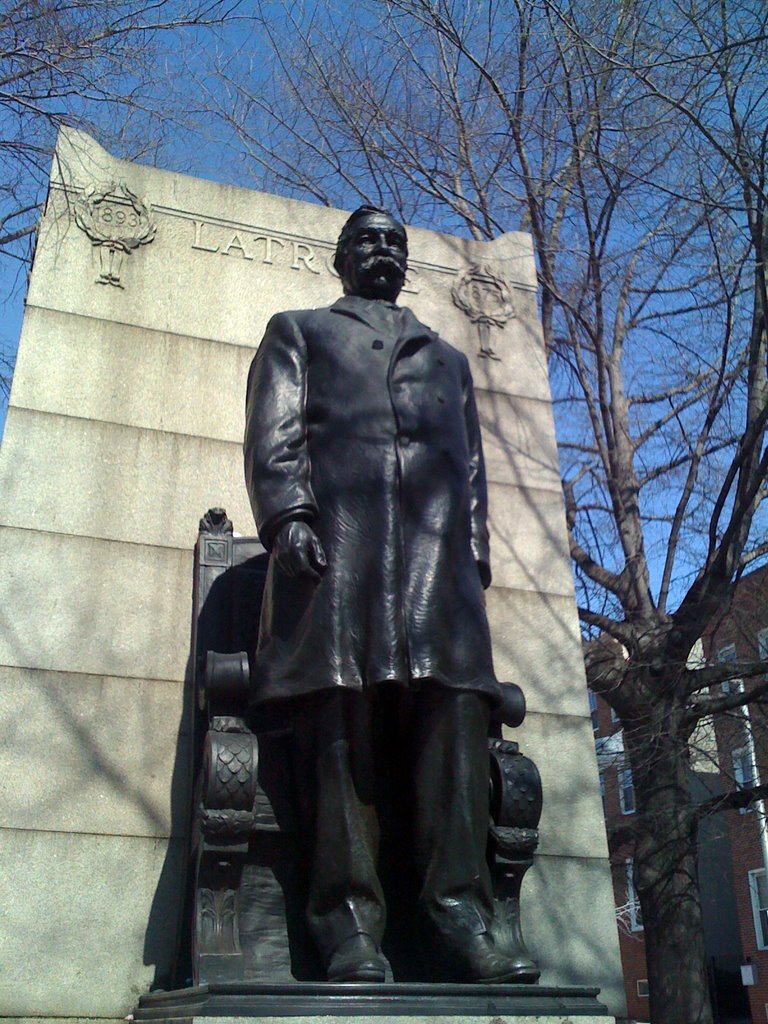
x=247, y=880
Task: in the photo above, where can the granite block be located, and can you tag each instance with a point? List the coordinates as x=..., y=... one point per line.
x=98, y=370
x=92, y=754
x=94, y=606
x=563, y=749
x=88, y=922
x=529, y=546
x=151, y=486
x=537, y=644
x=117, y=483
x=569, y=923
x=518, y=440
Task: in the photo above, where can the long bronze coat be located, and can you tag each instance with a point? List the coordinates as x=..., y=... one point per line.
x=362, y=421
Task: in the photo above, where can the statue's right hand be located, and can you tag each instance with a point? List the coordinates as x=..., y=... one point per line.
x=298, y=551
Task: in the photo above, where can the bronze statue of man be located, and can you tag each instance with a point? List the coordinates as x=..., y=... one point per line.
x=365, y=470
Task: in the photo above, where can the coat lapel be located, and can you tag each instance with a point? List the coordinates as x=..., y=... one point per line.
x=350, y=305
x=361, y=310
x=413, y=329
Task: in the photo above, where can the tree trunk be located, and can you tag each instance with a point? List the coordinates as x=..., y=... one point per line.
x=667, y=881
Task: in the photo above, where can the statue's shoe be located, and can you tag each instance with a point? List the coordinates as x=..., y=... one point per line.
x=357, y=959
x=478, y=960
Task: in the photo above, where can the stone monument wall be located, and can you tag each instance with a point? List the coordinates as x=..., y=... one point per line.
x=148, y=295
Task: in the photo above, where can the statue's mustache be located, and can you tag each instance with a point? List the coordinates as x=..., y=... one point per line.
x=380, y=261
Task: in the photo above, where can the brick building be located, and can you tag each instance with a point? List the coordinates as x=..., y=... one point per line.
x=741, y=636
x=618, y=802
x=732, y=879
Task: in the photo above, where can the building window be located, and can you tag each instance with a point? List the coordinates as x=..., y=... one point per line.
x=762, y=644
x=725, y=655
x=743, y=775
x=633, y=903
x=626, y=791
x=732, y=686
x=758, y=894
x=615, y=718
x=593, y=710
x=642, y=988
x=602, y=790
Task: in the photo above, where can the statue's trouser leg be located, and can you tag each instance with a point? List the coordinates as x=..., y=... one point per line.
x=450, y=776
x=333, y=741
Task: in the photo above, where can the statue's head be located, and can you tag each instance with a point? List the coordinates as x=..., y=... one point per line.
x=372, y=254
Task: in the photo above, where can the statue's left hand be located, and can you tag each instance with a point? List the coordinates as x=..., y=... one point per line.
x=298, y=551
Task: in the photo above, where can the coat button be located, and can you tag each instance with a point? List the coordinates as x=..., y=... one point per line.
x=378, y=344
x=405, y=440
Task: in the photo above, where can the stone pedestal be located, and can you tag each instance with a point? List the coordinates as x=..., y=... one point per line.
x=376, y=1004
x=148, y=296
x=364, y=1018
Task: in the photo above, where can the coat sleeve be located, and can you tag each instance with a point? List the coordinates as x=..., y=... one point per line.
x=478, y=489
x=277, y=466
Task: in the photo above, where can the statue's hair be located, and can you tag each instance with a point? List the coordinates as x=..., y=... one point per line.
x=347, y=231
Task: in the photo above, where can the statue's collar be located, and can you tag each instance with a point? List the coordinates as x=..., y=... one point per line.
x=371, y=312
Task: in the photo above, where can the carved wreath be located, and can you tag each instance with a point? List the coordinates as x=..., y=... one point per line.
x=125, y=227
x=483, y=296
x=486, y=299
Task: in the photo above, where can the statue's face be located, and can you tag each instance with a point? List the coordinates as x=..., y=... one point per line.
x=376, y=259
